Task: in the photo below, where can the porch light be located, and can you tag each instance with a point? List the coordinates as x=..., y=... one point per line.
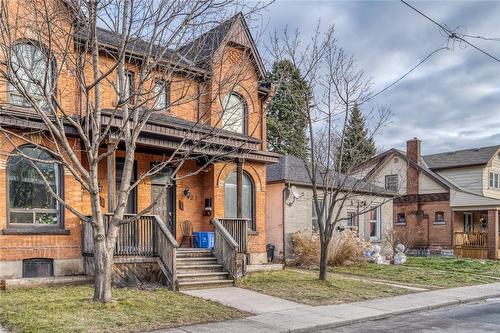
x=187, y=193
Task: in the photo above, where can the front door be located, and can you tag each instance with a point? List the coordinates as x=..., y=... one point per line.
x=468, y=222
x=164, y=206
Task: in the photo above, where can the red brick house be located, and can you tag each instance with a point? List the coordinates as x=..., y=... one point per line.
x=451, y=199
x=41, y=238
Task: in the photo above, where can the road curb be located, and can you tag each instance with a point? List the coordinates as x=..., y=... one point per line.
x=390, y=314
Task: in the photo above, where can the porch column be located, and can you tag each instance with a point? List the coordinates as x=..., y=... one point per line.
x=493, y=234
x=111, y=176
x=239, y=188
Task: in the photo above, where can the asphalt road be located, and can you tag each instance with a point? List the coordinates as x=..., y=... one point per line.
x=477, y=317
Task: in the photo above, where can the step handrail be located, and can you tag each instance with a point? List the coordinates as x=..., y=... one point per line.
x=166, y=250
x=225, y=248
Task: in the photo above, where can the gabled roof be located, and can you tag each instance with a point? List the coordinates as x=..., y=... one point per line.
x=291, y=169
x=202, y=49
x=461, y=158
x=197, y=53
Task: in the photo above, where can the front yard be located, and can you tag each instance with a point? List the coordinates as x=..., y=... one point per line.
x=70, y=309
x=429, y=272
x=305, y=287
x=366, y=281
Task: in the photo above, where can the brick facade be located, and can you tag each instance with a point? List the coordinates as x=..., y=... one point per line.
x=191, y=100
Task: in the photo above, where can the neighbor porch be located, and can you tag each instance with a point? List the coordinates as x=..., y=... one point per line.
x=476, y=233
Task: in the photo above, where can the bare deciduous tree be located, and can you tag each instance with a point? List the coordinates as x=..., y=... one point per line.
x=87, y=48
x=337, y=84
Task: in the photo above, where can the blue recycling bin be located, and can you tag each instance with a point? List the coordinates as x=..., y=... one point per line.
x=205, y=239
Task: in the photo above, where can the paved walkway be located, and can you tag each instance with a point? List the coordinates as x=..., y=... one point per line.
x=307, y=318
x=246, y=300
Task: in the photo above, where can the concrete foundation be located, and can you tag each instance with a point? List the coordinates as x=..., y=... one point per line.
x=62, y=267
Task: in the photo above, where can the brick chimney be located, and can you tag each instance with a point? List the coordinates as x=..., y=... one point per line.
x=413, y=151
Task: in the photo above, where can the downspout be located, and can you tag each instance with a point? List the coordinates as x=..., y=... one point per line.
x=283, y=204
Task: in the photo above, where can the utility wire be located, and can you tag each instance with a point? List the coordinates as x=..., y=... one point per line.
x=406, y=74
x=451, y=34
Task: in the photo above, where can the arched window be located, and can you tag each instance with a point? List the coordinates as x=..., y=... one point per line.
x=248, y=198
x=235, y=114
x=34, y=71
x=30, y=203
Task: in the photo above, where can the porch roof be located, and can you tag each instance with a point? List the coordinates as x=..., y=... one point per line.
x=460, y=200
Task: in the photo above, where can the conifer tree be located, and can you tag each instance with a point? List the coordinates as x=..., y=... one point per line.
x=358, y=144
x=286, y=113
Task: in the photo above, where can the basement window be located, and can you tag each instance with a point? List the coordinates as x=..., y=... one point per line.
x=38, y=268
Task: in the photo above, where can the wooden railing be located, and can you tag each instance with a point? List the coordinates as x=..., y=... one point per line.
x=225, y=249
x=147, y=237
x=166, y=249
x=471, y=239
x=238, y=229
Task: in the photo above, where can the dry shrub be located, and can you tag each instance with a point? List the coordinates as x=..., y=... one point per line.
x=305, y=249
x=403, y=235
x=345, y=248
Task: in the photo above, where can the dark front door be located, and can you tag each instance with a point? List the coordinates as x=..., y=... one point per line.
x=164, y=206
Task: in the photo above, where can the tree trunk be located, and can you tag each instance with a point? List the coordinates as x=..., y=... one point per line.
x=103, y=272
x=323, y=260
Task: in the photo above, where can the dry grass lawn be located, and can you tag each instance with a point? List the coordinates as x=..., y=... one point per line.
x=305, y=287
x=70, y=309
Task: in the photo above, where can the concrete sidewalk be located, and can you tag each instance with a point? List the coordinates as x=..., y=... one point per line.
x=307, y=318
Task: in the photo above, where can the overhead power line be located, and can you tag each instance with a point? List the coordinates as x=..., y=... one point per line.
x=452, y=34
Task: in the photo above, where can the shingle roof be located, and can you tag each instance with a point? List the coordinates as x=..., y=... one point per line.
x=460, y=158
x=292, y=169
x=196, y=53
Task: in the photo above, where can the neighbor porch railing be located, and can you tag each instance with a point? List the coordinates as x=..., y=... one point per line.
x=471, y=239
x=472, y=244
x=147, y=236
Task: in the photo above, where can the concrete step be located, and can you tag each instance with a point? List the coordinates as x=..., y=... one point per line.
x=205, y=284
x=199, y=268
x=196, y=261
x=195, y=276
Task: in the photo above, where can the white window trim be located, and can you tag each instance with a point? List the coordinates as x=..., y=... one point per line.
x=494, y=180
x=378, y=224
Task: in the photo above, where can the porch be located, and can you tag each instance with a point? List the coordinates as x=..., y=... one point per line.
x=148, y=240
x=476, y=233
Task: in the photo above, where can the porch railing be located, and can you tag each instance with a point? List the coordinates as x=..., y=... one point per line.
x=147, y=237
x=471, y=239
x=225, y=248
x=238, y=229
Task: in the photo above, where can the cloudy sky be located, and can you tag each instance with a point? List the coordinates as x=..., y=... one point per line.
x=452, y=101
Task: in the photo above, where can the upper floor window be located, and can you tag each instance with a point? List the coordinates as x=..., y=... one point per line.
x=30, y=201
x=234, y=113
x=494, y=179
x=391, y=183
x=128, y=95
x=33, y=70
x=161, y=95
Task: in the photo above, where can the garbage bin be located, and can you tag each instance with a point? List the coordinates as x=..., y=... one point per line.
x=270, y=252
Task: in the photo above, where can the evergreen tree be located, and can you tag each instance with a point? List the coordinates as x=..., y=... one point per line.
x=287, y=111
x=358, y=145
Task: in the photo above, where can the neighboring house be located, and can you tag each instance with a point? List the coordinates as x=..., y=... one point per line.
x=290, y=208
x=451, y=199
x=39, y=238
